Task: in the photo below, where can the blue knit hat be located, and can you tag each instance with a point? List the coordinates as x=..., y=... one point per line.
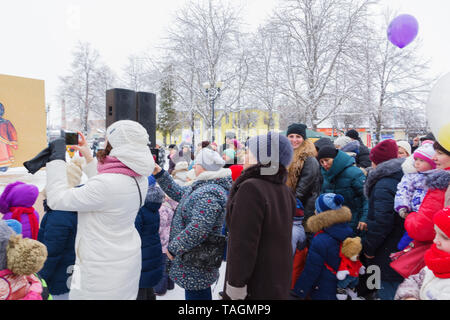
x=329, y=201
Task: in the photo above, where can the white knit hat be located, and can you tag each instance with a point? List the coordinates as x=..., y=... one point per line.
x=342, y=141
x=129, y=141
x=405, y=145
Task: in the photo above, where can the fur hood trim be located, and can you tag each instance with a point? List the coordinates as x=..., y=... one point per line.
x=209, y=175
x=437, y=179
x=182, y=165
x=328, y=218
x=383, y=170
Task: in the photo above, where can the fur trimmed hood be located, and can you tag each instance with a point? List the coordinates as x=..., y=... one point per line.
x=328, y=219
x=220, y=177
x=437, y=179
x=209, y=175
x=383, y=170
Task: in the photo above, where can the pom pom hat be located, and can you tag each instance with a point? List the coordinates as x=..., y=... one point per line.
x=329, y=201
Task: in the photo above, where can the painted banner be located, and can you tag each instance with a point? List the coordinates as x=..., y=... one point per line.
x=23, y=122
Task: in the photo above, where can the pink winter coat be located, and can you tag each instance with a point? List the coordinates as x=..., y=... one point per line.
x=14, y=287
x=165, y=215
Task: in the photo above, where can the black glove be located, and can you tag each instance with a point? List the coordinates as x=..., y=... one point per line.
x=37, y=162
x=57, y=149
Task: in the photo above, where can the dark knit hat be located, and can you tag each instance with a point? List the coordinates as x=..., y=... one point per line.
x=297, y=128
x=384, y=151
x=327, y=152
x=322, y=142
x=264, y=147
x=328, y=201
x=352, y=134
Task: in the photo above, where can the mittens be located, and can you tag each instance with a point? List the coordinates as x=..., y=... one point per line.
x=57, y=150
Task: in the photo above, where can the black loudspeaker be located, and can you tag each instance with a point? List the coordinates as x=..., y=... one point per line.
x=146, y=114
x=120, y=105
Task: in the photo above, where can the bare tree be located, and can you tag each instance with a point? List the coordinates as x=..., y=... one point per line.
x=205, y=44
x=264, y=75
x=393, y=81
x=83, y=90
x=315, y=36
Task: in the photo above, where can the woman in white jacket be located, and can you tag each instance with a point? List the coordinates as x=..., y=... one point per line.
x=107, y=245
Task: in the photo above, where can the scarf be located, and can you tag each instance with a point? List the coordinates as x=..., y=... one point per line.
x=306, y=150
x=17, y=213
x=113, y=165
x=438, y=261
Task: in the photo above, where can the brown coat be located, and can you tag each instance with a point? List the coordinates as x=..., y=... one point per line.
x=260, y=212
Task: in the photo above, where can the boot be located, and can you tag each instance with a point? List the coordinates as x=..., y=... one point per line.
x=341, y=294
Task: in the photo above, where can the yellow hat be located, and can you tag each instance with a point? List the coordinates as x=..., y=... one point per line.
x=444, y=136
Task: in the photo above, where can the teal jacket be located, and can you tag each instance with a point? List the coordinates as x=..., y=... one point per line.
x=346, y=179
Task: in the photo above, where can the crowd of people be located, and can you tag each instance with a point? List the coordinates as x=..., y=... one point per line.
x=299, y=219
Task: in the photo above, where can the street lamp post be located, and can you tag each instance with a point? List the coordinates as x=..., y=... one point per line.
x=212, y=94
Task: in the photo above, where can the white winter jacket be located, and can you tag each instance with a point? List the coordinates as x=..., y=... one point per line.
x=107, y=245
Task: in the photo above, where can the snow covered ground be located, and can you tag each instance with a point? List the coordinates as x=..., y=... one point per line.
x=178, y=293
x=22, y=174
x=39, y=179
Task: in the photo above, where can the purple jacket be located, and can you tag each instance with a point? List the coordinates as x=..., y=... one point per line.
x=410, y=192
x=19, y=194
x=166, y=214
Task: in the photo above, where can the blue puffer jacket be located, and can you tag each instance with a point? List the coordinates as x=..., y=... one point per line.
x=147, y=224
x=331, y=228
x=57, y=231
x=200, y=212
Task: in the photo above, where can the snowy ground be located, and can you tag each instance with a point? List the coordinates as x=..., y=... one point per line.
x=178, y=293
x=22, y=174
x=39, y=179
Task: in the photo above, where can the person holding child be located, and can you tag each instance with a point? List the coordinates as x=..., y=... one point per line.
x=433, y=281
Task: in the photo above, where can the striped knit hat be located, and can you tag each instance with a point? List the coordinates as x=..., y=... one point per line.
x=328, y=201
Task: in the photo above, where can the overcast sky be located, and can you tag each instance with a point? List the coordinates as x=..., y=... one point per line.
x=38, y=36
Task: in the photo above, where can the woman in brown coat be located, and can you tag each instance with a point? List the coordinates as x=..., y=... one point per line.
x=259, y=217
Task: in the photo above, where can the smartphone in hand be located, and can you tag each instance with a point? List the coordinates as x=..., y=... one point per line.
x=71, y=138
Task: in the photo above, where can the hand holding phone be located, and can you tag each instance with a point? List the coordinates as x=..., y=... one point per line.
x=71, y=138
x=83, y=147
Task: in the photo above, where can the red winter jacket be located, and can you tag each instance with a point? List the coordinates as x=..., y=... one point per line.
x=419, y=225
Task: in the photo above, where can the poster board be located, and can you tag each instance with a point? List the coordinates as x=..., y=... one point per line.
x=23, y=125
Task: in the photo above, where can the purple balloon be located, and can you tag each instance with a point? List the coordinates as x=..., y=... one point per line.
x=403, y=30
